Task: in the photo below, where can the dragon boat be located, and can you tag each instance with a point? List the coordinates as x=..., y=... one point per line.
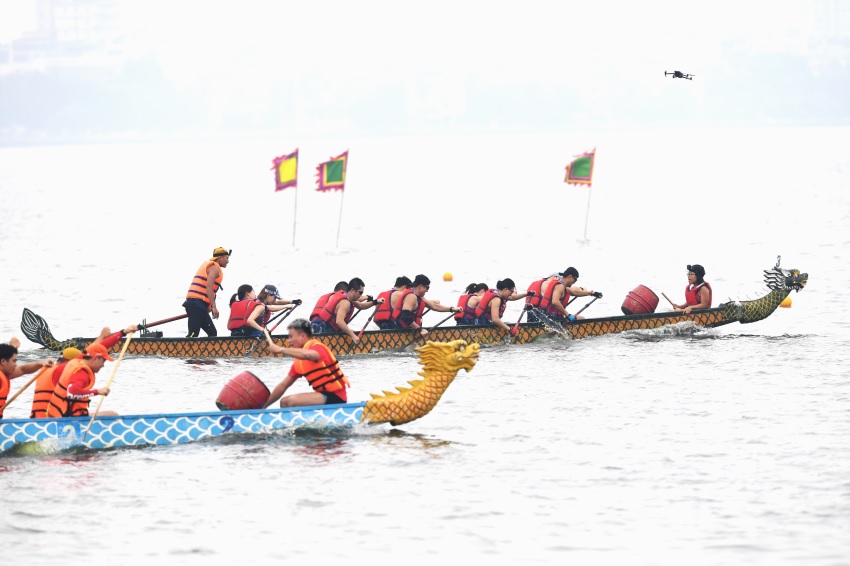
x=780, y=282
x=440, y=364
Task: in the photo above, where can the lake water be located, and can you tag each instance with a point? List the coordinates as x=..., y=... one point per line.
x=681, y=446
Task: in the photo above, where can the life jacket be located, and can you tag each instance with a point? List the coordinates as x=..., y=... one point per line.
x=326, y=311
x=44, y=387
x=59, y=404
x=240, y=311
x=198, y=288
x=467, y=313
x=420, y=308
x=483, y=308
x=539, y=300
x=692, y=294
x=322, y=377
x=385, y=310
x=5, y=386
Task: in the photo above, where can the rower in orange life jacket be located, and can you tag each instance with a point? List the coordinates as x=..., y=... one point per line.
x=9, y=369
x=75, y=388
x=468, y=301
x=698, y=294
x=388, y=312
x=336, y=312
x=201, y=296
x=313, y=361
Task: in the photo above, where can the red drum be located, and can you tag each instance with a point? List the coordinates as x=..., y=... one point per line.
x=640, y=300
x=243, y=392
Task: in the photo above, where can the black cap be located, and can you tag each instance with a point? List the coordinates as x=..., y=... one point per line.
x=421, y=280
x=272, y=290
x=698, y=270
x=569, y=271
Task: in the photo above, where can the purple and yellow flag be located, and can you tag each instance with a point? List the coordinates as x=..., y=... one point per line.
x=580, y=169
x=286, y=171
x=331, y=174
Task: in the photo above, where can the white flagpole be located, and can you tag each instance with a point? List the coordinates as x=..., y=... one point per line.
x=587, y=215
x=294, y=214
x=339, y=224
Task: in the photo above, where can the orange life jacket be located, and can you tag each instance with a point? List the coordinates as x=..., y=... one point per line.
x=483, y=308
x=59, y=404
x=326, y=310
x=240, y=311
x=322, y=377
x=5, y=386
x=467, y=313
x=692, y=294
x=44, y=387
x=198, y=288
x=386, y=310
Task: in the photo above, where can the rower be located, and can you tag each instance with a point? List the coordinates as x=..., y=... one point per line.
x=552, y=294
x=468, y=301
x=333, y=312
x=9, y=369
x=413, y=302
x=249, y=312
x=387, y=313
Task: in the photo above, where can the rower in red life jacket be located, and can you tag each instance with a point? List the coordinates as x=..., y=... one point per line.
x=468, y=301
x=413, y=302
x=333, y=311
x=697, y=292
x=9, y=369
x=388, y=312
x=552, y=294
x=315, y=362
x=46, y=382
x=249, y=312
x=200, y=298
x=493, y=302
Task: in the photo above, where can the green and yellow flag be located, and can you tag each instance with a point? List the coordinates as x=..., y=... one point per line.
x=580, y=169
x=286, y=171
x=331, y=174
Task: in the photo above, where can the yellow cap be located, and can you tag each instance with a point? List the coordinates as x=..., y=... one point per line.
x=71, y=353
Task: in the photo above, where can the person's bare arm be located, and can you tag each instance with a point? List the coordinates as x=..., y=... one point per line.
x=212, y=274
x=279, y=390
x=341, y=310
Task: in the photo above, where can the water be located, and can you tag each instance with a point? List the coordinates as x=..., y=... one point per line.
x=682, y=445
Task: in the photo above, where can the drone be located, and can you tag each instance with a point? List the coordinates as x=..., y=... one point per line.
x=679, y=75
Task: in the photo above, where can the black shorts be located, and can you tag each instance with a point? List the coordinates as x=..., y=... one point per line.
x=333, y=399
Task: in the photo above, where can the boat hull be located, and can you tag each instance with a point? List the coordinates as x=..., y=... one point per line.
x=163, y=429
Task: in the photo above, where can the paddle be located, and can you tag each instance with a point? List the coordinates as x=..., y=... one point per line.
x=669, y=301
x=108, y=383
x=30, y=382
x=585, y=306
x=284, y=314
x=438, y=324
x=145, y=325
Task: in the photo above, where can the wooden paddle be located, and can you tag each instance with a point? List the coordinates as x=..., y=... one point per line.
x=285, y=314
x=669, y=301
x=30, y=382
x=585, y=306
x=436, y=325
x=108, y=383
x=146, y=325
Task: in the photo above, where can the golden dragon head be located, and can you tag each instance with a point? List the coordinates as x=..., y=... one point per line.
x=440, y=363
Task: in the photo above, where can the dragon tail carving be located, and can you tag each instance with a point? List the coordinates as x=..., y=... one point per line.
x=441, y=361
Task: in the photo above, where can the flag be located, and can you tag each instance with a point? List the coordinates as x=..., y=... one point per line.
x=580, y=169
x=286, y=171
x=331, y=174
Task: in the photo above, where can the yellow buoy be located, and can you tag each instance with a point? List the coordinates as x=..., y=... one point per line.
x=786, y=303
x=447, y=276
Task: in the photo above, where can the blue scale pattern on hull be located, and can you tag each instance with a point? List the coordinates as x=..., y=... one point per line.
x=177, y=428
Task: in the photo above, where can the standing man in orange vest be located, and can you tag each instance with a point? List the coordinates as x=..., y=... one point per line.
x=200, y=298
x=313, y=361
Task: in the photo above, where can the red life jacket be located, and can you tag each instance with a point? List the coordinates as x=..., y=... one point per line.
x=327, y=311
x=420, y=308
x=240, y=311
x=385, y=310
x=692, y=294
x=467, y=313
x=483, y=308
x=544, y=302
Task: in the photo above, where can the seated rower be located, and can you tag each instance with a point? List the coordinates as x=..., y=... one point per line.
x=493, y=303
x=9, y=369
x=75, y=388
x=333, y=312
x=412, y=302
x=387, y=313
x=46, y=382
x=697, y=291
x=249, y=312
x=315, y=362
x=552, y=294
x=468, y=301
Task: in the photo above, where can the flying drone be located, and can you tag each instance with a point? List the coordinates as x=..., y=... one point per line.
x=679, y=75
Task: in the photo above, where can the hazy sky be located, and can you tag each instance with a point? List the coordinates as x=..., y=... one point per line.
x=337, y=56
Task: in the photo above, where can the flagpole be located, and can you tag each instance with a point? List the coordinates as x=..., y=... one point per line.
x=587, y=215
x=294, y=215
x=339, y=224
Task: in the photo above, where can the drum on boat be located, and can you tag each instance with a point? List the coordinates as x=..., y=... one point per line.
x=640, y=300
x=243, y=392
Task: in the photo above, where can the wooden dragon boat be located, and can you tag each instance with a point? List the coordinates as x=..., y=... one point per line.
x=440, y=361
x=780, y=283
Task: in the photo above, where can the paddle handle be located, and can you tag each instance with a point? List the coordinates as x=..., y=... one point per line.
x=669, y=301
x=30, y=382
x=371, y=316
x=439, y=323
x=109, y=382
x=163, y=321
x=289, y=312
x=585, y=306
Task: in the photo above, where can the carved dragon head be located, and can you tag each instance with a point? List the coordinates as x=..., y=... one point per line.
x=447, y=357
x=785, y=279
